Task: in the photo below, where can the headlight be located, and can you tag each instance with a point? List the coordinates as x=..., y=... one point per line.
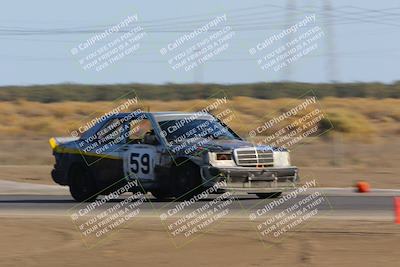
x=221, y=159
x=281, y=159
x=223, y=156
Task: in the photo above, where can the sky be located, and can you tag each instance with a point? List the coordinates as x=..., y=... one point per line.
x=359, y=43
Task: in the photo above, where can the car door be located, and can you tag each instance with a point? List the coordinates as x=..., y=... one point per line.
x=104, y=160
x=139, y=162
x=140, y=158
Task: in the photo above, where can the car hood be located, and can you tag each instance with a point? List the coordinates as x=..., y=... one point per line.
x=216, y=145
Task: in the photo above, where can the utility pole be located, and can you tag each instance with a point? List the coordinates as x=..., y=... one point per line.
x=290, y=18
x=332, y=72
x=198, y=71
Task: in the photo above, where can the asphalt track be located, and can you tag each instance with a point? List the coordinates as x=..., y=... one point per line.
x=338, y=203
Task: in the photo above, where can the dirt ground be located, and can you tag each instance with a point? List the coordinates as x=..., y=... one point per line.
x=54, y=242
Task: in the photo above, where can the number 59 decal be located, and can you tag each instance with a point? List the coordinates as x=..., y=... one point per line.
x=142, y=165
x=139, y=162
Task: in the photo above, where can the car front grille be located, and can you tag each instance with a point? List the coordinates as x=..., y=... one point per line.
x=253, y=157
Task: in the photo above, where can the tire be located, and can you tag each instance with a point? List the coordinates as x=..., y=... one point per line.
x=160, y=195
x=81, y=184
x=269, y=195
x=187, y=180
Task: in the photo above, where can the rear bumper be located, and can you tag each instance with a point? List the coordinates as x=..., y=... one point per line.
x=58, y=177
x=252, y=180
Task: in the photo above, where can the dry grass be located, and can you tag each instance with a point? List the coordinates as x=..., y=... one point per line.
x=363, y=145
x=359, y=118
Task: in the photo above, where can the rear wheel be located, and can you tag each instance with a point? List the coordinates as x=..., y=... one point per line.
x=81, y=184
x=269, y=195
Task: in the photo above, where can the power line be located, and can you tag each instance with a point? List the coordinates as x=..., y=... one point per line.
x=259, y=24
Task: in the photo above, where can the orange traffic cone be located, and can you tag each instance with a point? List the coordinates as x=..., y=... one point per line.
x=397, y=210
x=363, y=187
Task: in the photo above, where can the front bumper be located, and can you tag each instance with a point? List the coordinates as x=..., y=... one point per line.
x=251, y=179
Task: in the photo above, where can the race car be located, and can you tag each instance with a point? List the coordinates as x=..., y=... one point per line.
x=171, y=155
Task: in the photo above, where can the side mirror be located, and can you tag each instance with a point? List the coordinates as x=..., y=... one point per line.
x=150, y=139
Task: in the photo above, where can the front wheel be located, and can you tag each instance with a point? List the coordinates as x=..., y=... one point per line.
x=187, y=180
x=160, y=194
x=269, y=195
x=81, y=184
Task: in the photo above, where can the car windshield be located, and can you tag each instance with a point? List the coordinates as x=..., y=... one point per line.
x=177, y=131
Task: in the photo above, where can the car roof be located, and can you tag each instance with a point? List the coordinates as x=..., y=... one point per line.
x=161, y=113
x=173, y=115
x=159, y=116
x=176, y=115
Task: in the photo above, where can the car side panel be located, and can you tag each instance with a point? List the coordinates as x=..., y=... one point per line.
x=105, y=171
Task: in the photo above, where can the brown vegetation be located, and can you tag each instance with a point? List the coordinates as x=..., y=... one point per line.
x=362, y=145
x=360, y=118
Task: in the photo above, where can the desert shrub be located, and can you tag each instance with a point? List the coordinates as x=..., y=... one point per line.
x=349, y=122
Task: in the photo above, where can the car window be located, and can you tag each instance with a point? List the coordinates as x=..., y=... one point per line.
x=112, y=131
x=138, y=129
x=176, y=131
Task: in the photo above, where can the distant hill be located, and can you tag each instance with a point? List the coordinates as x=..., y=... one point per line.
x=79, y=92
